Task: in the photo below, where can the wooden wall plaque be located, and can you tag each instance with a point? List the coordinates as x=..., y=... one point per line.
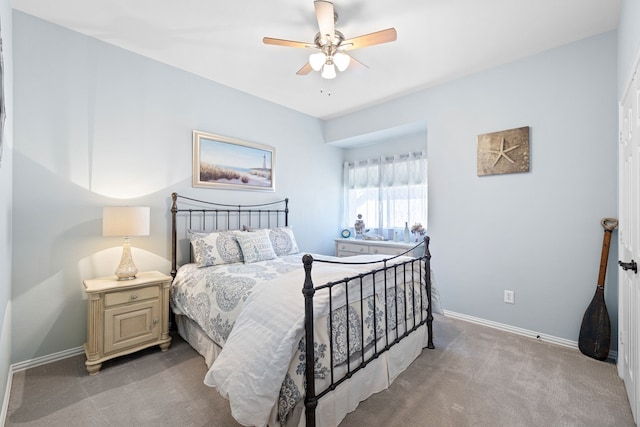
x=503, y=152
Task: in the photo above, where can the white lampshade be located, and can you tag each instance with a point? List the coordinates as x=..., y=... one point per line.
x=328, y=71
x=317, y=60
x=341, y=60
x=125, y=221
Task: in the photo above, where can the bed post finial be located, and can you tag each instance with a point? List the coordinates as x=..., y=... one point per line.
x=286, y=212
x=427, y=253
x=310, y=400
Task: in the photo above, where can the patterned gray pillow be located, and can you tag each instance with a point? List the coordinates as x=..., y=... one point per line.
x=215, y=248
x=283, y=241
x=256, y=246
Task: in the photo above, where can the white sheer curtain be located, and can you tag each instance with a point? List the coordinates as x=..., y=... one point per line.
x=388, y=192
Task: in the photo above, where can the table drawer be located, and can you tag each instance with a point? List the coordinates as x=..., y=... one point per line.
x=353, y=248
x=131, y=295
x=387, y=251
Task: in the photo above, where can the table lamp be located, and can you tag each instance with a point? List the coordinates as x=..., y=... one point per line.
x=125, y=221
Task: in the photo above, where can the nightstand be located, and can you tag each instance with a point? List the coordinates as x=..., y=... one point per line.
x=126, y=316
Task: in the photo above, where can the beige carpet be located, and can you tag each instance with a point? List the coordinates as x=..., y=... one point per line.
x=476, y=376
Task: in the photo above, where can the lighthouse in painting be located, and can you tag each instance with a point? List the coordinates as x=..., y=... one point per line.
x=264, y=162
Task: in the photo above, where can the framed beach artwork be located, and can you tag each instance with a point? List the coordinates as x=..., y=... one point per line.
x=232, y=164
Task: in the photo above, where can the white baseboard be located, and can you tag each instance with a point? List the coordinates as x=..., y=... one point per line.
x=613, y=355
x=5, y=403
x=5, y=345
x=21, y=366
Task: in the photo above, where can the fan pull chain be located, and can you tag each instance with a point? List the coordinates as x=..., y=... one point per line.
x=322, y=91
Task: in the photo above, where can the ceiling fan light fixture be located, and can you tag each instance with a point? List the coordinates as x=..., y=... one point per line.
x=317, y=60
x=329, y=43
x=341, y=60
x=328, y=71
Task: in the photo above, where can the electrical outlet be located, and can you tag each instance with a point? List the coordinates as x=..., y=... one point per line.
x=509, y=297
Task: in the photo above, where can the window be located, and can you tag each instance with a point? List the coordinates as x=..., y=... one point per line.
x=388, y=192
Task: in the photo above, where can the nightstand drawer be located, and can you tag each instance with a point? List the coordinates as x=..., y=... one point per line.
x=385, y=247
x=353, y=248
x=387, y=251
x=131, y=295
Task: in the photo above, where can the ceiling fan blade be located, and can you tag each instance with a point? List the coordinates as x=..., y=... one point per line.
x=287, y=43
x=306, y=69
x=326, y=20
x=354, y=64
x=379, y=37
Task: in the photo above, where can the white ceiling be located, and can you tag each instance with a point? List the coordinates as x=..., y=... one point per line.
x=438, y=40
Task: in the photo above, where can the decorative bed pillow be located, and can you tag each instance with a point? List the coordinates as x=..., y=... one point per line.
x=215, y=248
x=256, y=246
x=283, y=241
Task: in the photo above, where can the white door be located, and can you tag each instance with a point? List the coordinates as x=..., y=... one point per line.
x=629, y=243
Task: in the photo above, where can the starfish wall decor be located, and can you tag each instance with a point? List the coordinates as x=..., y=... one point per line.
x=503, y=152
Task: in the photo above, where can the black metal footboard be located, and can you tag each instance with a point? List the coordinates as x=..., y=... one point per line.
x=398, y=279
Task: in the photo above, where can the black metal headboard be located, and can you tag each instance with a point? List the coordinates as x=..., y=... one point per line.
x=194, y=214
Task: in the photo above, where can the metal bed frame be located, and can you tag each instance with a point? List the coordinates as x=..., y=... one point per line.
x=204, y=215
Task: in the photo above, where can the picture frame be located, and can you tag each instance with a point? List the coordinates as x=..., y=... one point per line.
x=232, y=164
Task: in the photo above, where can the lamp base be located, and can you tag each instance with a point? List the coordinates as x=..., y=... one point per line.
x=127, y=270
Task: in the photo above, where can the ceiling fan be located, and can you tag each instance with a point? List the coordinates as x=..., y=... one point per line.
x=331, y=44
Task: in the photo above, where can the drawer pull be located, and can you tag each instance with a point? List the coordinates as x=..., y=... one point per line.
x=134, y=296
x=156, y=320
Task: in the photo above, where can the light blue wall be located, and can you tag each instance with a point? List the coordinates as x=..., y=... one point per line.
x=96, y=126
x=538, y=233
x=628, y=42
x=6, y=178
x=95, y=123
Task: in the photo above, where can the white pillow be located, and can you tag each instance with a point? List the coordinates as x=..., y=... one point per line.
x=215, y=248
x=256, y=246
